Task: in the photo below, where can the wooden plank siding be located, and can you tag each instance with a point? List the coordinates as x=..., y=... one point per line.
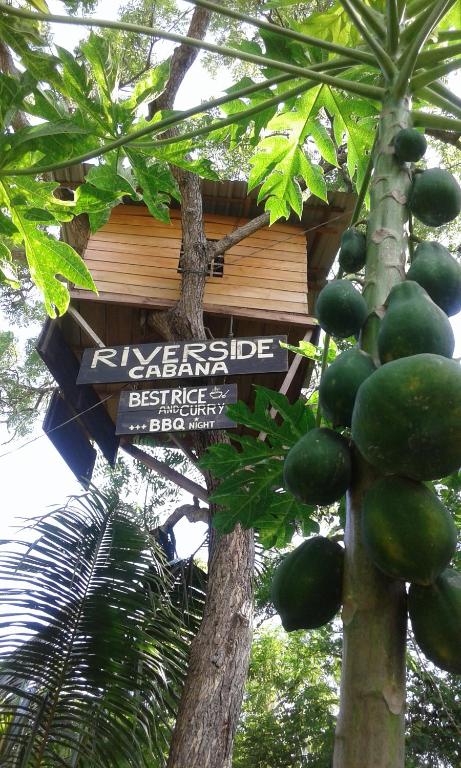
x=136, y=256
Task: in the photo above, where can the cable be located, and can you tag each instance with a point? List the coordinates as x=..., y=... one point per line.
x=58, y=426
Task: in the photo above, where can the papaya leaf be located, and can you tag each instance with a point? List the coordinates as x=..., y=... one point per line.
x=48, y=258
x=39, y=5
x=149, y=86
x=7, y=227
x=8, y=275
x=281, y=161
x=224, y=459
x=241, y=495
x=251, y=490
x=283, y=514
x=157, y=184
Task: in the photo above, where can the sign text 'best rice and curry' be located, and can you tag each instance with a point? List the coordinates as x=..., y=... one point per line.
x=186, y=359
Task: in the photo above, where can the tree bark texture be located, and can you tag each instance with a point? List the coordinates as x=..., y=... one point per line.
x=211, y=699
x=370, y=727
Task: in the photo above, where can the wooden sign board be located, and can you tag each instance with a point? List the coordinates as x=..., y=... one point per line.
x=175, y=410
x=186, y=359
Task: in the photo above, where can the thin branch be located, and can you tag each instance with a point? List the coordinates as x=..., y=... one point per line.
x=164, y=470
x=228, y=241
x=193, y=512
x=430, y=75
x=384, y=60
x=409, y=57
x=362, y=56
x=182, y=60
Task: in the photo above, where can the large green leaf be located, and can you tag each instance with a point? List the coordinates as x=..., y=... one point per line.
x=281, y=162
x=157, y=184
x=251, y=490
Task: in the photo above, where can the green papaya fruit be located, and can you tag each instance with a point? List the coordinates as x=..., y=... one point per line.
x=317, y=470
x=435, y=614
x=435, y=197
x=413, y=324
x=407, y=417
x=340, y=384
x=439, y=274
x=410, y=145
x=353, y=251
x=341, y=309
x=307, y=585
x=408, y=533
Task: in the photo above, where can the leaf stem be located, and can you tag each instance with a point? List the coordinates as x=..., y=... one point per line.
x=326, y=347
x=362, y=56
x=140, y=29
x=438, y=55
x=393, y=27
x=430, y=93
x=429, y=75
x=428, y=120
x=160, y=126
x=408, y=58
x=382, y=57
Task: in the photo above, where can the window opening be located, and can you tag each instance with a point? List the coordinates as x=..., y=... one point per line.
x=215, y=268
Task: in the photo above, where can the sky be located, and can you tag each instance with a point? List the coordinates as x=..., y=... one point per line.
x=34, y=477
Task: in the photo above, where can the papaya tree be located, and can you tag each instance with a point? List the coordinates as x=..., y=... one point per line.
x=370, y=70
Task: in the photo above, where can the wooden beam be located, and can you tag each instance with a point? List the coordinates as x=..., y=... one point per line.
x=164, y=470
x=287, y=381
x=85, y=326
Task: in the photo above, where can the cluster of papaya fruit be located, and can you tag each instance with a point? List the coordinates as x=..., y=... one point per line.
x=403, y=409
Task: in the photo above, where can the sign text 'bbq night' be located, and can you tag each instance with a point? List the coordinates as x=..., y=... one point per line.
x=186, y=359
x=175, y=410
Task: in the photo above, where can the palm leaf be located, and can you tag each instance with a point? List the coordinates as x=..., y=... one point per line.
x=92, y=650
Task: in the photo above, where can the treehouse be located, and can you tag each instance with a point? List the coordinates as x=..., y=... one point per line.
x=265, y=285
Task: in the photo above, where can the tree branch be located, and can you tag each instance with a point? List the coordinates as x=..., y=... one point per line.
x=193, y=512
x=164, y=470
x=226, y=242
x=182, y=60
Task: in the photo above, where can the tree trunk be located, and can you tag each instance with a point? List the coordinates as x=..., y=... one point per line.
x=370, y=727
x=211, y=699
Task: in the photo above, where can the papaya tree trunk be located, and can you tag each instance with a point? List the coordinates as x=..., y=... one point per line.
x=370, y=727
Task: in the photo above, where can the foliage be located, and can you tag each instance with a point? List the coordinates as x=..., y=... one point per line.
x=290, y=700
x=92, y=650
x=251, y=492
x=82, y=113
x=25, y=385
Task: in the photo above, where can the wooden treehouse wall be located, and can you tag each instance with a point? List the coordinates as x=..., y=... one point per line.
x=134, y=260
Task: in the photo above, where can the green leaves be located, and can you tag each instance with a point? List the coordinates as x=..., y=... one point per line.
x=92, y=647
x=281, y=162
x=251, y=490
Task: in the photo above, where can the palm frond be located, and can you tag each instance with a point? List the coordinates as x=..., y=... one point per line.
x=93, y=650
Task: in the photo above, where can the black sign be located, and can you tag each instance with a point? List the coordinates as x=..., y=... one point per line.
x=175, y=410
x=186, y=359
